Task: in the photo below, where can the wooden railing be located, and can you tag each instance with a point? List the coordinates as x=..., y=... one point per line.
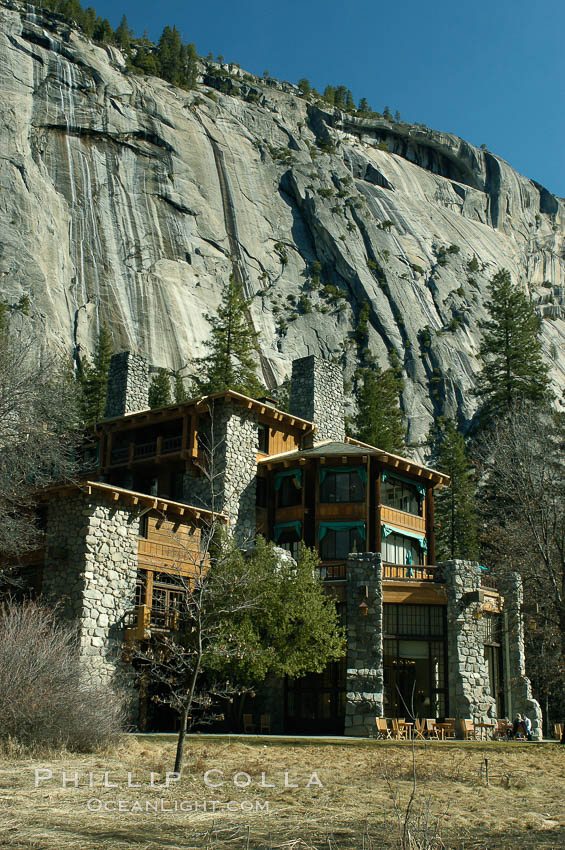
x=167, y=557
x=488, y=581
x=408, y=572
x=332, y=572
x=402, y=519
x=142, y=621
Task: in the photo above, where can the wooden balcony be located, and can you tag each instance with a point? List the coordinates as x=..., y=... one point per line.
x=408, y=572
x=332, y=571
x=401, y=519
x=144, y=621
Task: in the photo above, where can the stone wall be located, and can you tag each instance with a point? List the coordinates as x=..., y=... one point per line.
x=364, y=682
x=231, y=437
x=468, y=680
x=91, y=569
x=518, y=691
x=128, y=384
x=316, y=394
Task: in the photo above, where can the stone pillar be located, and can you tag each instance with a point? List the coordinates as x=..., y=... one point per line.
x=518, y=690
x=364, y=682
x=316, y=394
x=128, y=384
x=91, y=570
x=231, y=443
x=468, y=680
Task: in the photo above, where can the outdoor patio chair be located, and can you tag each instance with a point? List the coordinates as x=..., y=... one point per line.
x=468, y=728
x=398, y=730
x=451, y=732
x=419, y=730
x=265, y=724
x=558, y=730
x=383, y=732
x=431, y=731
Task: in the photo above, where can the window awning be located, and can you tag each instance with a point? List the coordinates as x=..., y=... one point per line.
x=388, y=529
x=360, y=470
x=324, y=527
x=418, y=487
x=282, y=526
x=288, y=473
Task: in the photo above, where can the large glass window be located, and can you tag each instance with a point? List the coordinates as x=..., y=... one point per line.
x=346, y=485
x=288, y=486
x=401, y=495
x=398, y=549
x=289, y=539
x=414, y=660
x=337, y=543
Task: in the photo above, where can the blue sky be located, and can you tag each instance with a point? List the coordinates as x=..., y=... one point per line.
x=491, y=72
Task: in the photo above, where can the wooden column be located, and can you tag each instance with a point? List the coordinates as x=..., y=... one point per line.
x=430, y=522
x=377, y=511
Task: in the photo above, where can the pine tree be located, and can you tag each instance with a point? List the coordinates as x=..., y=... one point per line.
x=230, y=362
x=189, y=62
x=160, y=389
x=123, y=34
x=379, y=419
x=364, y=106
x=387, y=114
x=93, y=378
x=513, y=367
x=180, y=389
x=329, y=95
x=169, y=54
x=455, y=508
x=304, y=86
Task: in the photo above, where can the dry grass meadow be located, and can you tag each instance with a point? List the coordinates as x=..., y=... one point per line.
x=363, y=797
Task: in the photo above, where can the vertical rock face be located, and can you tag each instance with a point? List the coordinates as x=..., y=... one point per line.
x=129, y=202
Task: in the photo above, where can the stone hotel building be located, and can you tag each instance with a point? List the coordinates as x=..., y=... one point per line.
x=113, y=548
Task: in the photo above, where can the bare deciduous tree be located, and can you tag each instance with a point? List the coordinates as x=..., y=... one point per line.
x=39, y=433
x=523, y=506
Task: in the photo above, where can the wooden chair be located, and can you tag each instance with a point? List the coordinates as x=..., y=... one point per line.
x=431, y=731
x=558, y=730
x=248, y=724
x=265, y=724
x=383, y=732
x=451, y=732
x=398, y=730
x=419, y=730
x=468, y=728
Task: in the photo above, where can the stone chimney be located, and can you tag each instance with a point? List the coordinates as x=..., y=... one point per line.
x=316, y=394
x=128, y=384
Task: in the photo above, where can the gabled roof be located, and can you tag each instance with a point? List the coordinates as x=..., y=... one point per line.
x=202, y=404
x=332, y=450
x=133, y=498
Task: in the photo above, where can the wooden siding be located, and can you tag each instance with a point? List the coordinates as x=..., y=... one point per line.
x=169, y=546
x=281, y=441
x=414, y=593
x=342, y=512
x=402, y=519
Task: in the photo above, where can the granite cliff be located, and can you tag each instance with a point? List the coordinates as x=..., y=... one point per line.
x=127, y=201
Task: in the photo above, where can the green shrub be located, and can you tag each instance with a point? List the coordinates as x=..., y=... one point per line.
x=473, y=265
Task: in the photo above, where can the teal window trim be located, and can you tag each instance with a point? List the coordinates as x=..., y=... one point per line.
x=280, y=527
x=388, y=529
x=288, y=473
x=360, y=470
x=418, y=487
x=324, y=527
